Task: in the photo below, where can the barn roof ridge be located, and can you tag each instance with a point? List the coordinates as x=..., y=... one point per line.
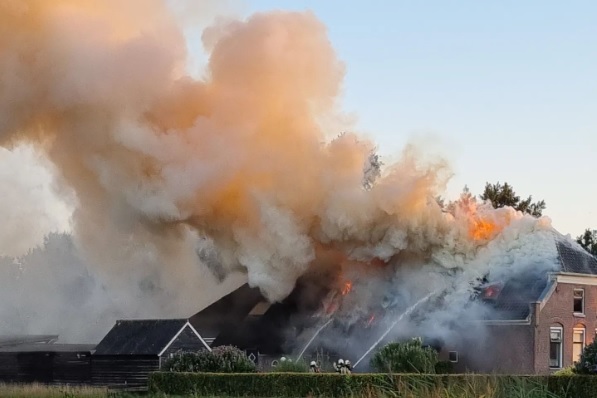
x=140, y=337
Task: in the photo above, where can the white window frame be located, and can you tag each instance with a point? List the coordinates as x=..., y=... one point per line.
x=584, y=341
x=582, y=291
x=561, y=353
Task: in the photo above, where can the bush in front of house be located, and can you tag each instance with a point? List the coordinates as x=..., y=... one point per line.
x=224, y=359
x=233, y=360
x=567, y=371
x=588, y=360
x=444, y=367
x=405, y=357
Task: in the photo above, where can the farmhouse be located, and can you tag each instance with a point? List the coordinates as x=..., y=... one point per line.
x=134, y=348
x=540, y=323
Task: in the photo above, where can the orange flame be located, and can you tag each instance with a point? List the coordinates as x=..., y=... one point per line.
x=482, y=229
x=370, y=320
x=347, y=288
x=331, y=308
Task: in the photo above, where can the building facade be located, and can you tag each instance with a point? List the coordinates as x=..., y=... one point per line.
x=552, y=337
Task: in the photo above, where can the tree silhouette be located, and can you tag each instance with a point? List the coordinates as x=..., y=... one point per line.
x=588, y=240
x=503, y=195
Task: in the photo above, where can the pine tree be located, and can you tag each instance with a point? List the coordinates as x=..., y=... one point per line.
x=503, y=195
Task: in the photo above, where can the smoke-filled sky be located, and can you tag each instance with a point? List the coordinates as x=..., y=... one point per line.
x=165, y=142
x=507, y=92
x=509, y=88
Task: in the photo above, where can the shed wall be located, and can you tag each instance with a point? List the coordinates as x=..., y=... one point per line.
x=128, y=371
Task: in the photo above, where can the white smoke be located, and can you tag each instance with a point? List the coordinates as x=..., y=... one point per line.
x=168, y=173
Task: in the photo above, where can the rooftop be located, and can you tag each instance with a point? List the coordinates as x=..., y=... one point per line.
x=139, y=337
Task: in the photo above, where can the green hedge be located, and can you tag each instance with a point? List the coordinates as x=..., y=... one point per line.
x=334, y=385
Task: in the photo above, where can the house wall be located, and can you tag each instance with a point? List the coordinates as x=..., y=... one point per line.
x=501, y=348
x=9, y=367
x=186, y=341
x=558, y=310
x=45, y=367
x=122, y=371
x=72, y=368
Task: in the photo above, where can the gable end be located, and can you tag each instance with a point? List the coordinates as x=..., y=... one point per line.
x=187, y=339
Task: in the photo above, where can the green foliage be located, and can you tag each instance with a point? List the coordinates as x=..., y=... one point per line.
x=503, y=195
x=567, y=371
x=588, y=360
x=224, y=359
x=444, y=367
x=588, y=240
x=578, y=386
x=292, y=367
x=372, y=385
x=406, y=357
x=233, y=360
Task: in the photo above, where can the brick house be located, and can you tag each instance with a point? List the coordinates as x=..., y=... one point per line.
x=540, y=323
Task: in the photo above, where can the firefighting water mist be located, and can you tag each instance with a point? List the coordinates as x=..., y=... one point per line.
x=177, y=181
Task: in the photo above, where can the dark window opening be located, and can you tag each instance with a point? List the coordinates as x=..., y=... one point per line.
x=579, y=301
x=453, y=356
x=555, y=348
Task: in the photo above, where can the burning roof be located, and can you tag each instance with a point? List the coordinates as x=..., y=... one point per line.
x=346, y=320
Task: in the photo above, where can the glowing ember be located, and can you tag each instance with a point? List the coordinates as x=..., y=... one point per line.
x=346, y=288
x=370, y=320
x=331, y=308
x=482, y=229
x=491, y=292
x=378, y=262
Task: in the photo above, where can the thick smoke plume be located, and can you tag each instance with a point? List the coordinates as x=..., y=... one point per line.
x=235, y=170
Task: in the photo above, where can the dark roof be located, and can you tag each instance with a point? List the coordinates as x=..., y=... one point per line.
x=523, y=288
x=227, y=312
x=573, y=258
x=268, y=331
x=49, y=348
x=516, y=294
x=139, y=337
x=6, y=341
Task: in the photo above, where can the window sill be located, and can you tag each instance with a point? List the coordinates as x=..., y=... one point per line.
x=579, y=315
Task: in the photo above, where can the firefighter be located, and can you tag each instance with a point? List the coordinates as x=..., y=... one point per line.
x=347, y=367
x=340, y=366
x=313, y=367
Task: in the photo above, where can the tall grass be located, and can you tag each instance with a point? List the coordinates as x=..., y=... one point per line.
x=515, y=387
x=473, y=388
x=44, y=391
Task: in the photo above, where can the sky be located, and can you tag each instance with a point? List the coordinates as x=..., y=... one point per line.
x=506, y=90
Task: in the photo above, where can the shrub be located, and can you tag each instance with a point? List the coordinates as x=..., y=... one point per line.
x=406, y=357
x=588, y=360
x=567, y=371
x=444, y=367
x=291, y=367
x=224, y=359
x=578, y=386
x=233, y=360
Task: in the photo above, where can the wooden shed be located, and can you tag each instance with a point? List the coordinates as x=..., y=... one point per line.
x=46, y=363
x=134, y=348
